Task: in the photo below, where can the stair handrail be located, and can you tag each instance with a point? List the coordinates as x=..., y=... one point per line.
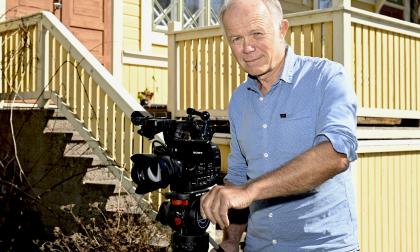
x=90, y=63
x=46, y=24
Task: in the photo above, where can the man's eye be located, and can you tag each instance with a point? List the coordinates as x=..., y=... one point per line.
x=258, y=34
x=235, y=40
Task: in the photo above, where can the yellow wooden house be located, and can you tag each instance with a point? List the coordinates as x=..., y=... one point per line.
x=187, y=63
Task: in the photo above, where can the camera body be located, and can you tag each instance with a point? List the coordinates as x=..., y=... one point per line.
x=189, y=162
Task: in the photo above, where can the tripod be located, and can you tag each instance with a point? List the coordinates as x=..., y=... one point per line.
x=182, y=214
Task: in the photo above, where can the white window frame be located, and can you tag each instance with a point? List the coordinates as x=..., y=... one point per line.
x=149, y=36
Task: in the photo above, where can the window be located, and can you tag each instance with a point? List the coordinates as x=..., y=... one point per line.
x=191, y=13
x=392, y=12
x=399, y=2
x=216, y=5
x=323, y=4
x=164, y=11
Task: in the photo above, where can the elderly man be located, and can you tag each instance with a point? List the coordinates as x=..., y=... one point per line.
x=293, y=137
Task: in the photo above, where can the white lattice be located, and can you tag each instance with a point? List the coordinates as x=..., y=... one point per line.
x=193, y=13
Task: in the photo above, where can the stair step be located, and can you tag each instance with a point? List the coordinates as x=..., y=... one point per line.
x=100, y=175
x=57, y=114
x=123, y=203
x=78, y=149
x=58, y=126
x=76, y=137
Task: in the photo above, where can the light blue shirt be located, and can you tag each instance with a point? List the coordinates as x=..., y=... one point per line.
x=312, y=102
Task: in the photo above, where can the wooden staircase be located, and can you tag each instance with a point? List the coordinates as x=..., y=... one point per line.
x=82, y=119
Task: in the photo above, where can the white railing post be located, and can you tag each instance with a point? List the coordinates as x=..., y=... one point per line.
x=1, y=67
x=173, y=69
x=342, y=36
x=42, y=65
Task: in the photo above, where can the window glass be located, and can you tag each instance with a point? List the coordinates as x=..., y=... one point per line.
x=323, y=4
x=215, y=8
x=400, y=2
x=193, y=14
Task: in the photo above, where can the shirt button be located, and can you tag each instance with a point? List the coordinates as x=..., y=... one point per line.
x=270, y=215
x=261, y=98
x=266, y=155
x=264, y=126
x=274, y=242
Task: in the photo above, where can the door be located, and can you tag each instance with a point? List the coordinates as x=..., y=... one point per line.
x=19, y=8
x=89, y=20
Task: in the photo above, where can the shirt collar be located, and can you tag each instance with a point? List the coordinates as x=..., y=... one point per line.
x=286, y=75
x=289, y=63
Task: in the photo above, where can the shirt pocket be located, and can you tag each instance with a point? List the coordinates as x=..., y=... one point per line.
x=295, y=131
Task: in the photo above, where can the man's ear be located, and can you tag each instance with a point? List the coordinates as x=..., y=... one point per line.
x=284, y=25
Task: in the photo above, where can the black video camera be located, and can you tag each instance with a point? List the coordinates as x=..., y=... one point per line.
x=189, y=162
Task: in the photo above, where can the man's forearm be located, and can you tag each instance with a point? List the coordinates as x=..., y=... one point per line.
x=300, y=175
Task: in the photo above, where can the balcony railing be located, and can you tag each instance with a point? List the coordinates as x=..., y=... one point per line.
x=381, y=54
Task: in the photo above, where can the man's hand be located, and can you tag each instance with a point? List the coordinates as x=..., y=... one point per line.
x=216, y=203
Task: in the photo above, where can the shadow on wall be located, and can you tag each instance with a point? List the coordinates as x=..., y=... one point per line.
x=50, y=191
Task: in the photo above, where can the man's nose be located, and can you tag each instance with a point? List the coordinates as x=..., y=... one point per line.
x=248, y=45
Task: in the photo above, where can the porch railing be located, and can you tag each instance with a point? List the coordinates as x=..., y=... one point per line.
x=381, y=54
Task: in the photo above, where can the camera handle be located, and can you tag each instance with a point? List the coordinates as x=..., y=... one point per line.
x=205, y=117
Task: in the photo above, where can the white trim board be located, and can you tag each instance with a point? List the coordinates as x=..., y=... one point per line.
x=117, y=39
x=388, y=146
x=144, y=59
x=388, y=132
x=388, y=113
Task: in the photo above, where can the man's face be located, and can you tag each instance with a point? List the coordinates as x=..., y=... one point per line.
x=256, y=41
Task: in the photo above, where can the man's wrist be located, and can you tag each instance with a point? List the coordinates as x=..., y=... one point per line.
x=252, y=191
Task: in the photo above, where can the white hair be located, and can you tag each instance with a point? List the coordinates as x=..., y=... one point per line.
x=273, y=6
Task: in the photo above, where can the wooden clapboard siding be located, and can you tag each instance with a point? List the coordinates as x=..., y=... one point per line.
x=137, y=78
x=386, y=71
x=388, y=200
x=159, y=50
x=131, y=25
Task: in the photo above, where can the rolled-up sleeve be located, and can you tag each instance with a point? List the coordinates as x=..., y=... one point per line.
x=237, y=166
x=337, y=120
